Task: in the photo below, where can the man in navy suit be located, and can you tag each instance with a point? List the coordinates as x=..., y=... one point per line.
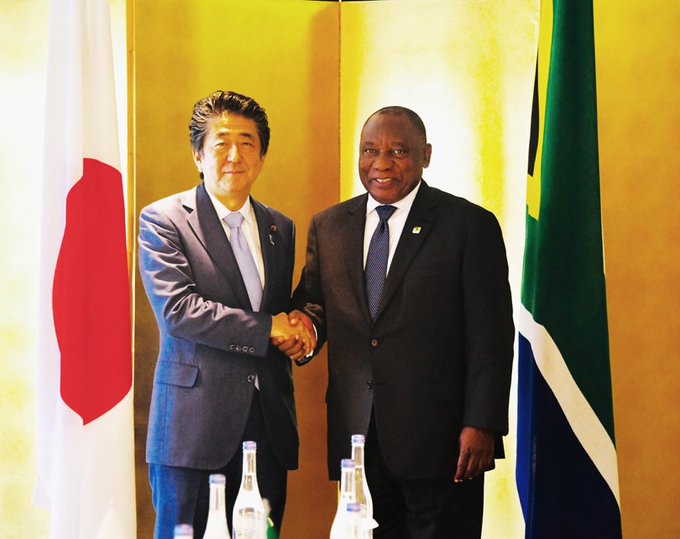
x=409, y=286
x=217, y=267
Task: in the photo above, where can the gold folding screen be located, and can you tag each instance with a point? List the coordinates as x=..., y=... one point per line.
x=319, y=69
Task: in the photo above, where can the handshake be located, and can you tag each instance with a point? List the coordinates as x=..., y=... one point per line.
x=293, y=334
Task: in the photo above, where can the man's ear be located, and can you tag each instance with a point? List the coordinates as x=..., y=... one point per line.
x=197, y=160
x=427, y=155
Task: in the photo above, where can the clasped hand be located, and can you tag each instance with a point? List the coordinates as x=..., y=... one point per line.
x=293, y=334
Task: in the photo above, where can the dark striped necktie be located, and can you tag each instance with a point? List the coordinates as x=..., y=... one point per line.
x=376, y=260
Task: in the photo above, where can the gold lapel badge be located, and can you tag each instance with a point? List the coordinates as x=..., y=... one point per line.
x=416, y=230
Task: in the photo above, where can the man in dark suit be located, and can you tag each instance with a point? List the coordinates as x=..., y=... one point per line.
x=420, y=360
x=216, y=265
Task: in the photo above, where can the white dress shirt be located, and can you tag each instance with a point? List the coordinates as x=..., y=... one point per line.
x=396, y=222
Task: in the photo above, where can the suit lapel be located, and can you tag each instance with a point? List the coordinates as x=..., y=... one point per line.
x=353, y=249
x=418, y=225
x=267, y=236
x=210, y=232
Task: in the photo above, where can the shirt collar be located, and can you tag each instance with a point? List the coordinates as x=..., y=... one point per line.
x=223, y=211
x=403, y=204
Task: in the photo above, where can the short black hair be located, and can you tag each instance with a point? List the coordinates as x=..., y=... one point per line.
x=396, y=110
x=220, y=102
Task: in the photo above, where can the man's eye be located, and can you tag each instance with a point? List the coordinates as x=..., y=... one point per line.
x=369, y=151
x=399, y=152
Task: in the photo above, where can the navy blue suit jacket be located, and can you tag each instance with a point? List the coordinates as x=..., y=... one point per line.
x=212, y=345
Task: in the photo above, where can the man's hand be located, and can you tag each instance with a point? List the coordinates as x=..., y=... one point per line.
x=295, y=336
x=476, y=453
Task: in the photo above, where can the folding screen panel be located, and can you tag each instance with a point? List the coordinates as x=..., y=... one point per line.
x=467, y=68
x=285, y=54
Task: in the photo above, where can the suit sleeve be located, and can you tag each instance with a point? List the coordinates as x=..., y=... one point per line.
x=182, y=312
x=489, y=329
x=308, y=295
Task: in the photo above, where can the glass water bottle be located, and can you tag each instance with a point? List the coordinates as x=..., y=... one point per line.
x=248, y=520
x=363, y=494
x=217, y=515
x=342, y=521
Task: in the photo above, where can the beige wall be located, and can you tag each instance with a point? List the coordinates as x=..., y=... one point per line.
x=22, y=78
x=23, y=61
x=638, y=70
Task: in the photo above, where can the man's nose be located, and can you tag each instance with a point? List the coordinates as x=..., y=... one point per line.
x=233, y=154
x=382, y=162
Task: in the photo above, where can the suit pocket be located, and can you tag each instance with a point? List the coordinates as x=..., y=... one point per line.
x=177, y=374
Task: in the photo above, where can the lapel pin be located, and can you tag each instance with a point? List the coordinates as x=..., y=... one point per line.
x=272, y=231
x=416, y=230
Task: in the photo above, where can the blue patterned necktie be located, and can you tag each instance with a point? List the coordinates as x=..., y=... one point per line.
x=244, y=259
x=376, y=260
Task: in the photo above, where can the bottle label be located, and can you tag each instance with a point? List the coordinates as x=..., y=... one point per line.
x=249, y=524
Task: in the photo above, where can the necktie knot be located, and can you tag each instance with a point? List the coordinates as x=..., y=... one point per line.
x=234, y=220
x=385, y=212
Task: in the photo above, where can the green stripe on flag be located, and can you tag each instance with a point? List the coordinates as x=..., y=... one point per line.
x=563, y=280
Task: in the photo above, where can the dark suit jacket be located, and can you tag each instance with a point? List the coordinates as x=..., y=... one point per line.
x=439, y=354
x=211, y=343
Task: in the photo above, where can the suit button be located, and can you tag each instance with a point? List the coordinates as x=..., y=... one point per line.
x=374, y=342
x=369, y=384
x=251, y=350
x=251, y=378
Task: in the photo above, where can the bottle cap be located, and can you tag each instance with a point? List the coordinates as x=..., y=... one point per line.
x=358, y=439
x=217, y=479
x=347, y=463
x=184, y=530
x=249, y=446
